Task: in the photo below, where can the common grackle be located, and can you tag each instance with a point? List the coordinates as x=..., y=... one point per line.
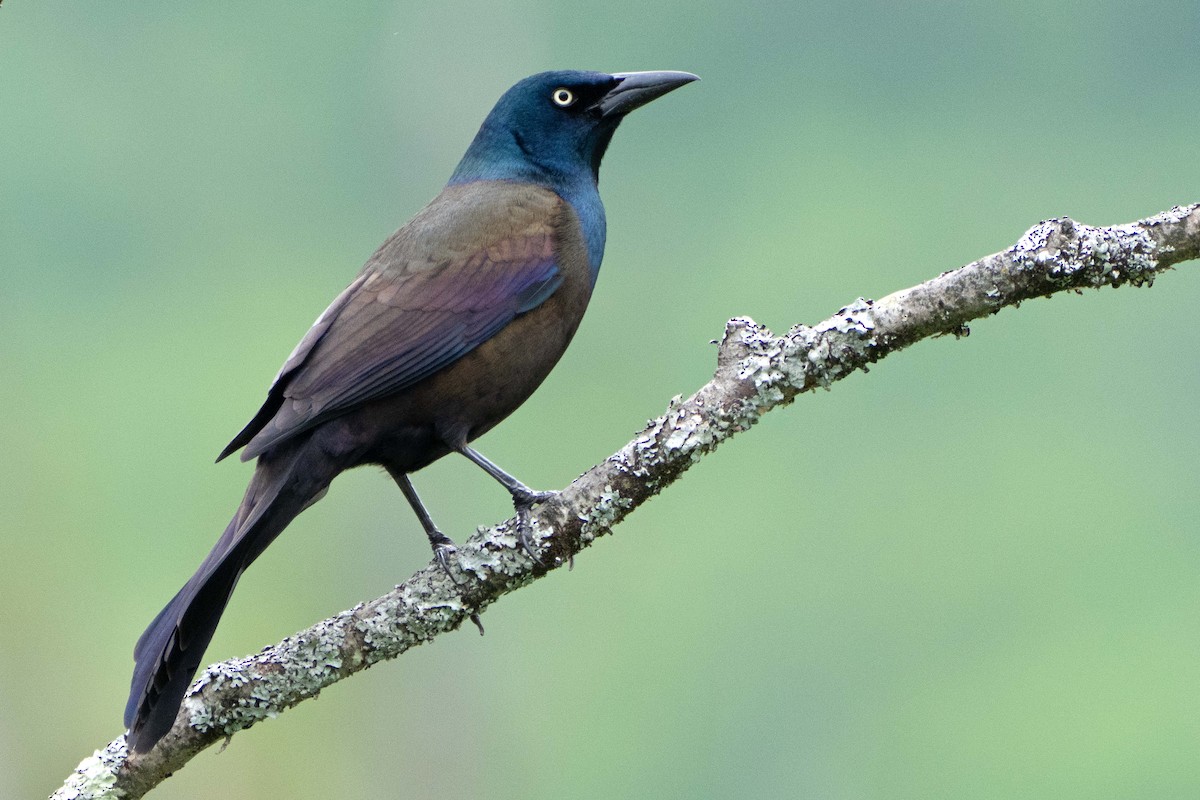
x=452, y=324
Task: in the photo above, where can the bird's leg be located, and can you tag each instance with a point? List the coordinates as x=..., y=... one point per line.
x=522, y=495
x=440, y=542
x=524, y=498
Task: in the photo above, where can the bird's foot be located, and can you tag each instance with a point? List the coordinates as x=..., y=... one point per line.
x=524, y=500
x=443, y=550
x=528, y=498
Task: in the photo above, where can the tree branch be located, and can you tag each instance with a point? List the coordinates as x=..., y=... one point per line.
x=756, y=372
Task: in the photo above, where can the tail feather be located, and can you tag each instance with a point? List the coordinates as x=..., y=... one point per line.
x=169, y=652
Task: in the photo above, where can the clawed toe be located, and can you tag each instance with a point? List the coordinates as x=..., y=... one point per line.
x=524, y=503
x=524, y=529
x=443, y=549
x=442, y=552
x=531, y=497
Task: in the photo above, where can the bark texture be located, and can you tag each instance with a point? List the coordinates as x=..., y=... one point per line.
x=756, y=372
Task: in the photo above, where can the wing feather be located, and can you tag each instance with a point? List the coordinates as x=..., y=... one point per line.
x=475, y=258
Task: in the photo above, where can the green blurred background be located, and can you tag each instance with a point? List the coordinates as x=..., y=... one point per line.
x=969, y=574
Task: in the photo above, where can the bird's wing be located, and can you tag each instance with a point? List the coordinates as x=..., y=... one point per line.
x=462, y=269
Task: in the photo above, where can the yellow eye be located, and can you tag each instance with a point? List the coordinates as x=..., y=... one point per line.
x=563, y=97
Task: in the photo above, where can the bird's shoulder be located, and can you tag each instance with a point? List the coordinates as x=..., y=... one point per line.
x=485, y=245
x=473, y=223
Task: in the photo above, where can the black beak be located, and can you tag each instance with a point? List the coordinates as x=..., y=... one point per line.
x=638, y=88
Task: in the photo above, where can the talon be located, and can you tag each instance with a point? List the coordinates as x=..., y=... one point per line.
x=530, y=498
x=523, y=531
x=442, y=550
x=524, y=501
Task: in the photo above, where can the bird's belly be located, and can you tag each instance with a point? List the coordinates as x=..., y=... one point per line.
x=461, y=402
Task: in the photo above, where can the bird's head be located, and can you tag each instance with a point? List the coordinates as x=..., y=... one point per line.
x=553, y=128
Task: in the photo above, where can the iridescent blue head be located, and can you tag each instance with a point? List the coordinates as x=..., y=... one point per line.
x=553, y=128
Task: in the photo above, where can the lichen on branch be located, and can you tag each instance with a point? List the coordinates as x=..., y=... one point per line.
x=757, y=371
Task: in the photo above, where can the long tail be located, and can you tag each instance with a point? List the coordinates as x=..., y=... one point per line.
x=286, y=481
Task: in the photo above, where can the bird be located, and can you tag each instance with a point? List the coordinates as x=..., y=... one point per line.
x=450, y=326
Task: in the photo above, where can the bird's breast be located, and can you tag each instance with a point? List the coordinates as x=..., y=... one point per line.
x=471, y=395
